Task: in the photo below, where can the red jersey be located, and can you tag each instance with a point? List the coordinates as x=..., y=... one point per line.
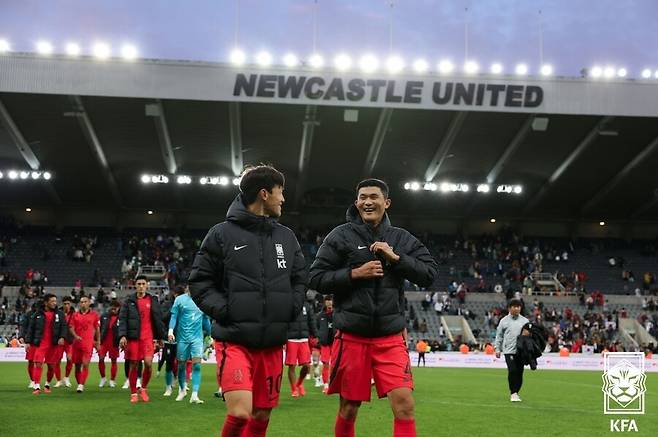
x=84, y=325
x=109, y=336
x=144, y=308
x=47, y=337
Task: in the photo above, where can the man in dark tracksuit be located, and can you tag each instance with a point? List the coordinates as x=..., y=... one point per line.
x=364, y=263
x=250, y=277
x=29, y=351
x=298, y=351
x=326, y=338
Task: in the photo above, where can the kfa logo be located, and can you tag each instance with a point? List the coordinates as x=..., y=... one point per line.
x=280, y=261
x=624, y=383
x=623, y=425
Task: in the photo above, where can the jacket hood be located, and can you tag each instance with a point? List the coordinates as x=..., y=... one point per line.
x=240, y=215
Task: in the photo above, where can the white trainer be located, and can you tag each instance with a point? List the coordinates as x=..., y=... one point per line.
x=102, y=383
x=167, y=391
x=515, y=397
x=31, y=384
x=59, y=384
x=67, y=382
x=112, y=384
x=194, y=399
x=80, y=388
x=126, y=385
x=181, y=395
x=139, y=383
x=318, y=382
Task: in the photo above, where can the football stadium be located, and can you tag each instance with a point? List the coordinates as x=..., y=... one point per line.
x=324, y=245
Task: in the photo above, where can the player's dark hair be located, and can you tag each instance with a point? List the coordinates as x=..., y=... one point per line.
x=67, y=299
x=257, y=178
x=47, y=297
x=328, y=297
x=514, y=303
x=140, y=277
x=373, y=183
x=115, y=303
x=179, y=289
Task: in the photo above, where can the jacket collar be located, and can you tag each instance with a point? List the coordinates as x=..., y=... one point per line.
x=364, y=229
x=239, y=214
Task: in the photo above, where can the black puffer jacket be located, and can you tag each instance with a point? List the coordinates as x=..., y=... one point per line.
x=105, y=328
x=38, y=324
x=130, y=322
x=326, y=328
x=250, y=278
x=25, y=324
x=304, y=325
x=373, y=307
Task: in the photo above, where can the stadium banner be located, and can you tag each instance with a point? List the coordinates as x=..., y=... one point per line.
x=159, y=79
x=436, y=359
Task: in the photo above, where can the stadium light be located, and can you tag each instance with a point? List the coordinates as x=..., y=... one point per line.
x=471, y=67
x=28, y=209
x=203, y=180
x=24, y=175
x=430, y=186
x=35, y=175
x=44, y=47
x=290, y=60
x=184, y=180
x=145, y=179
x=420, y=66
x=223, y=180
x=13, y=174
x=236, y=181
x=622, y=72
x=129, y=52
x=316, y=61
x=601, y=223
x=655, y=74
x=596, y=71
x=496, y=68
x=394, y=64
x=446, y=67
x=415, y=186
x=521, y=69
x=493, y=220
x=264, y=59
x=4, y=46
x=546, y=70
x=2, y=175
x=343, y=62
x=368, y=63
x=237, y=57
x=102, y=51
x=72, y=49
x=518, y=189
x=47, y=175
x=149, y=212
x=646, y=73
x=609, y=72
x=483, y=188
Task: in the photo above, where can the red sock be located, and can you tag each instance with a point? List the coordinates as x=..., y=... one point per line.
x=233, y=426
x=146, y=376
x=255, y=428
x=113, y=371
x=85, y=374
x=344, y=427
x=404, y=428
x=101, y=368
x=300, y=381
x=325, y=373
x=78, y=375
x=69, y=366
x=30, y=370
x=49, y=374
x=36, y=372
x=132, y=377
x=58, y=372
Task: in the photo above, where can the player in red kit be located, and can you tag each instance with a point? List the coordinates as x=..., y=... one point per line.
x=365, y=263
x=109, y=343
x=69, y=311
x=86, y=334
x=326, y=338
x=45, y=334
x=140, y=324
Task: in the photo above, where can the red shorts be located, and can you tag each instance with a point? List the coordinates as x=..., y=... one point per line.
x=48, y=354
x=82, y=353
x=325, y=353
x=355, y=359
x=29, y=353
x=256, y=370
x=68, y=350
x=110, y=350
x=297, y=353
x=137, y=350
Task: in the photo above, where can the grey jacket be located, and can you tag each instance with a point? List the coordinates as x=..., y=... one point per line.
x=508, y=330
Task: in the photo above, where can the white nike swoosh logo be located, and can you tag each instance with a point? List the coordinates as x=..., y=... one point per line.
x=361, y=247
x=239, y=247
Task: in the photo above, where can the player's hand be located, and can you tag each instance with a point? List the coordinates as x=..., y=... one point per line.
x=369, y=270
x=123, y=342
x=382, y=248
x=97, y=345
x=160, y=344
x=27, y=347
x=172, y=338
x=77, y=337
x=61, y=343
x=497, y=354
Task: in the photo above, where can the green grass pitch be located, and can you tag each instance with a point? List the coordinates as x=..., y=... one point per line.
x=449, y=402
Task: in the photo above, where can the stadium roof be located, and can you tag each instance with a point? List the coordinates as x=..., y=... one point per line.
x=584, y=150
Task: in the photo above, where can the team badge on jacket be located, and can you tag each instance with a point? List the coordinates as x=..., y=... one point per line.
x=280, y=259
